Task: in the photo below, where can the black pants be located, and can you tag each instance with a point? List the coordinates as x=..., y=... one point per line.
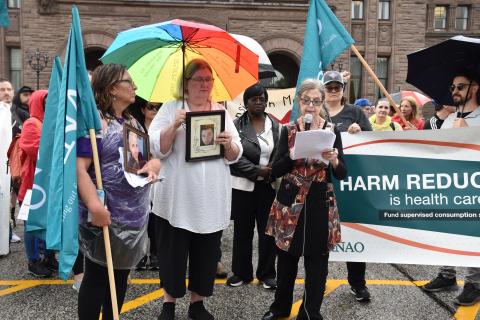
x=78, y=266
x=178, y=246
x=151, y=230
x=248, y=207
x=94, y=292
x=356, y=274
x=316, y=271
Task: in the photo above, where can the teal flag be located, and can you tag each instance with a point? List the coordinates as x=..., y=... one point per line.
x=325, y=38
x=76, y=115
x=37, y=218
x=4, y=18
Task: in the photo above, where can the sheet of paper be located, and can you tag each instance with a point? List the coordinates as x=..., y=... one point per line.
x=25, y=208
x=309, y=144
x=135, y=180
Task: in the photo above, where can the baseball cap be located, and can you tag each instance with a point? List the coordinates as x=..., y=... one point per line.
x=332, y=76
x=362, y=102
x=25, y=89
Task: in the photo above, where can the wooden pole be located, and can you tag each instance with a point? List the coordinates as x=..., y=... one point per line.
x=377, y=81
x=106, y=235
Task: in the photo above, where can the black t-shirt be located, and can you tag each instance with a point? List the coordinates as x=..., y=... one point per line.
x=433, y=123
x=349, y=115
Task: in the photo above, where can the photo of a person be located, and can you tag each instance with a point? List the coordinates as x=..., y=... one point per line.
x=206, y=134
x=136, y=159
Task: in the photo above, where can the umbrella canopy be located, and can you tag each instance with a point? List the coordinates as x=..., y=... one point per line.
x=432, y=69
x=419, y=98
x=265, y=67
x=156, y=54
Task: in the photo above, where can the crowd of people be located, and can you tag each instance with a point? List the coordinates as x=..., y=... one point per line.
x=257, y=184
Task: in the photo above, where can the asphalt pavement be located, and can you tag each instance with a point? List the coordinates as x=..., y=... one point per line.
x=395, y=294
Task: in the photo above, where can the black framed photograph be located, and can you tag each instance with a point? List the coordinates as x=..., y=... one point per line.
x=202, y=129
x=136, y=149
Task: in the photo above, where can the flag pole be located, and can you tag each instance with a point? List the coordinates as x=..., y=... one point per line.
x=106, y=235
x=377, y=81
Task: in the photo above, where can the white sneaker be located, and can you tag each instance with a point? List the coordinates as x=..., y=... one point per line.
x=15, y=238
x=77, y=283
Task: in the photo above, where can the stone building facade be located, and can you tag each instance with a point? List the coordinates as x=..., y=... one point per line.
x=385, y=31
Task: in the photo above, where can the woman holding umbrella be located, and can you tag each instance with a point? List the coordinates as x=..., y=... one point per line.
x=192, y=205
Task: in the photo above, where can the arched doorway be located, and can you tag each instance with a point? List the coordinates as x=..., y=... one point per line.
x=92, y=57
x=286, y=68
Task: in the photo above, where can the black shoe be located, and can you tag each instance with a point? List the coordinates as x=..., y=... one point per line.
x=441, y=283
x=470, y=295
x=153, y=263
x=197, y=311
x=269, y=284
x=272, y=316
x=38, y=269
x=142, y=265
x=235, y=281
x=168, y=311
x=51, y=263
x=361, y=293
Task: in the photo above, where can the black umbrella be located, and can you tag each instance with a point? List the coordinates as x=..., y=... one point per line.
x=433, y=69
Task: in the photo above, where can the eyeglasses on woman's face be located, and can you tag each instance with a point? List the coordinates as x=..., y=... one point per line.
x=201, y=80
x=126, y=81
x=309, y=101
x=333, y=88
x=153, y=107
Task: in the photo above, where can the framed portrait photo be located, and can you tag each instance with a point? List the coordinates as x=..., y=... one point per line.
x=136, y=148
x=202, y=128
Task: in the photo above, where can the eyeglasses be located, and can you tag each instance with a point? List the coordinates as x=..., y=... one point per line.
x=259, y=99
x=206, y=80
x=308, y=101
x=152, y=107
x=459, y=86
x=333, y=88
x=128, y=81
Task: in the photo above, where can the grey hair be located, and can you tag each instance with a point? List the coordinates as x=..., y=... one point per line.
x=313, y=84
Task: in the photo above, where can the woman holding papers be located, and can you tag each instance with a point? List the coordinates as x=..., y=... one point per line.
x=304, y=218
x=126, y=208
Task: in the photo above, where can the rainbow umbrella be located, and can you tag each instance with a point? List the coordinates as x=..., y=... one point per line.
x=156, y=54
x=419, y=98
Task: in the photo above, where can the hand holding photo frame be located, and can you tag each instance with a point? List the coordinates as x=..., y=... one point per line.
x=136, y=148
x=202, y=128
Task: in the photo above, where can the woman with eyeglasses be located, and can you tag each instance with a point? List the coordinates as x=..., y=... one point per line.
x=304, y=219
x=409, y=109
x=347, y=118
x=253, y=193
x=126, y=208
x=192, y=205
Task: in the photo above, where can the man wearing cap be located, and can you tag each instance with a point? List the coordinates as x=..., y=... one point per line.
x=20, y=109
x=364, y=104
x=346, y=118
x=465, y=95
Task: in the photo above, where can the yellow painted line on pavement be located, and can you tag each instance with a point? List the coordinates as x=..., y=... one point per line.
x=16, y=288
x=135, y=303
x=467, y=313
x=331, y=286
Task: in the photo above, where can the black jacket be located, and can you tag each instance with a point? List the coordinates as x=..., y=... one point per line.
x=248, y=165
x=19, y=116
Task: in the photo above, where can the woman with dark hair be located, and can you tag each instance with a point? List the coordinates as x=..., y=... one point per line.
x=409, y=109
x=192, y=205
x=125, y=210
x=304, y=217
x=253, y=193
